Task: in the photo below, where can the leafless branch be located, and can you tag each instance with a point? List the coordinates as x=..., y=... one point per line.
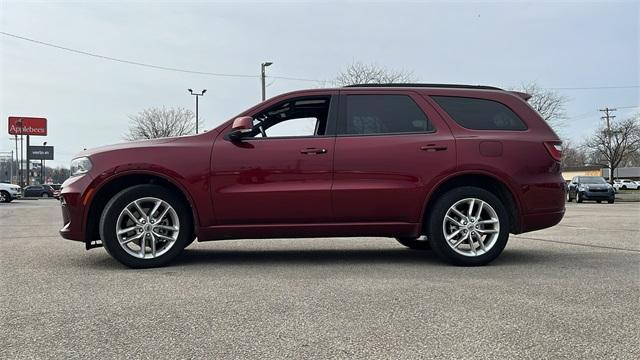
x=160, y=122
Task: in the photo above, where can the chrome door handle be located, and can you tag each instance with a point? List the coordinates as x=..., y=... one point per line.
x=313, y=151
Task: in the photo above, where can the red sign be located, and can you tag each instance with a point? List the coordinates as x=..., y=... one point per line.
x=27, y=126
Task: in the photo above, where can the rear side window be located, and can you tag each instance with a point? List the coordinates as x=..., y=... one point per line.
x=381, y=114
x=480, y=114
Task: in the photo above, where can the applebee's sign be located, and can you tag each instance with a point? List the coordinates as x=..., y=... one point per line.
x=19, y=125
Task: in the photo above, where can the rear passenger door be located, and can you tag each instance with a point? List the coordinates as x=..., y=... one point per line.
x=391, y=147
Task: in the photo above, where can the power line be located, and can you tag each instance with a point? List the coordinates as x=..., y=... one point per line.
x=189, y=71
x=159, y=67
x=596, y=87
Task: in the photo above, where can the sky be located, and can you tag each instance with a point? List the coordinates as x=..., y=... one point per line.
x=588, y=52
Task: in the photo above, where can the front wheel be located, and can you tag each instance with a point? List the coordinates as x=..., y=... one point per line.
x=468, y=226
x=5, y=197
x=569, y=199
x=579, y=198
x=419, y=243
x=145, y=226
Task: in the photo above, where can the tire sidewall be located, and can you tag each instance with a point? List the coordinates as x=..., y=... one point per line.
x=5, y=197
x=116, y=205
x=438, y=212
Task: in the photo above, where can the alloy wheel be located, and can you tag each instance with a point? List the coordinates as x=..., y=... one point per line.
x=471, y=227
x=147, y=228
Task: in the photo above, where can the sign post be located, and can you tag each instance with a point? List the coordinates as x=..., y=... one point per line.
x=23, y=125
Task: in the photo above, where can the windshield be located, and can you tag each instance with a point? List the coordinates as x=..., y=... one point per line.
x=592, y=180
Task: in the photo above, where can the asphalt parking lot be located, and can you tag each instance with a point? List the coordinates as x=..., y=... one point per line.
x=572, y=291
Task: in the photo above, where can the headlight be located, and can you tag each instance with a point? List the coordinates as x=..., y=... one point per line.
x=80, y=166
x=583, y=187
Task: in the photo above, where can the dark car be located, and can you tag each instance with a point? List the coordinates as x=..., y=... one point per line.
x=44, y=191
x=594, y=188
x=460, y=166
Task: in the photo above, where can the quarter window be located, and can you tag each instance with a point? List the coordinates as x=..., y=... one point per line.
x=480, y=114
x=382, y=114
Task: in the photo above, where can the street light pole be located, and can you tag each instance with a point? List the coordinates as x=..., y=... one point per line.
x=263, y=76
x=197, y=96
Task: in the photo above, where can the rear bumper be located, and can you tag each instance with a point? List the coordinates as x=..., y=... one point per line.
x=539, y=221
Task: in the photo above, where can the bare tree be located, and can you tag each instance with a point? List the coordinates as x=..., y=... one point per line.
x=155, y=122
x=548, y=103
x=361, y=73
x=573, y=156
x=610, y=147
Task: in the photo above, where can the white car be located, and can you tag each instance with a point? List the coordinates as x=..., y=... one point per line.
x=9, y=192
x=626, y=184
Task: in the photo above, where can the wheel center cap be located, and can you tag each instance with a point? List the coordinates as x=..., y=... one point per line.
x=147, y=228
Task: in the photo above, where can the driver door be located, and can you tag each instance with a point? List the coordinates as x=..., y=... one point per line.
x=281, y=171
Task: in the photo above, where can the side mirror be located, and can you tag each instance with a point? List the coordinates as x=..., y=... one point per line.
x=241, y=125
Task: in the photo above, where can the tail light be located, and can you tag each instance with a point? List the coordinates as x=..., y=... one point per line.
x=555, y=149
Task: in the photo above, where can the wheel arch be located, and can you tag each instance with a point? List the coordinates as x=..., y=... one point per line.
x=121, y=181
x=482, y=180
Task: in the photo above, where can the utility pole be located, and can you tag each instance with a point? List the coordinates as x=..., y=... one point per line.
x=263, y=76
x=197, y=96
x=608, y=117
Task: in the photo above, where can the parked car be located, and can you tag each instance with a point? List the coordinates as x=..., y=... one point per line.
x=595, y=188
x=44, y=191
x=9, y=192
x=462, y=165
x=626, y=184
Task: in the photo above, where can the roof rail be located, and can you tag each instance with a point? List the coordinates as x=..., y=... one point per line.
x=454, y=86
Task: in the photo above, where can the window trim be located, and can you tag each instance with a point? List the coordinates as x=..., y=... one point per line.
x=343, y=115
x=332, y=116
x=440, y=107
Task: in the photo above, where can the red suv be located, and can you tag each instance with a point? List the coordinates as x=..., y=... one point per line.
x=448, y=167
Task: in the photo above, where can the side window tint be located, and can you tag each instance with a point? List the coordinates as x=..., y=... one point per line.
x=480, y=114
x=382, y=114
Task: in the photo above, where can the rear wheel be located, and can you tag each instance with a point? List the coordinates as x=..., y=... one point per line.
x=145, y=226
x=611, y=201
x=599, y=201
x=419, y=243
x=468, y=226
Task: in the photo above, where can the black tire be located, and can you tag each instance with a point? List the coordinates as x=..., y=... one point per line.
x=624, y=187
x=611, y=201
x=44, y=195
x=6, y=197
x=436, y=217
x=579, y=198
x=599, y=201
x=569, y=199
x=415, y=243
x=120, y=201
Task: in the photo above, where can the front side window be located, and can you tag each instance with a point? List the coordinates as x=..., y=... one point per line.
x=293, y=118
x=480, y=114
x=382, y=114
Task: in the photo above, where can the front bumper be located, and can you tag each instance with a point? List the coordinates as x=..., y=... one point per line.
x=598, y=195
x=15, y=194
x=72, y=205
